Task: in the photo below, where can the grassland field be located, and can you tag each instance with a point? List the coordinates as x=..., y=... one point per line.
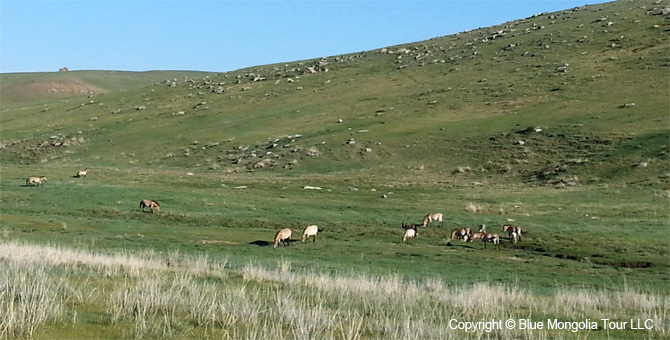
x=578, y=239
x=560, y=125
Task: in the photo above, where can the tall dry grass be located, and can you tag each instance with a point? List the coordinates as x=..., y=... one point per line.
x=30, y=297
x=148, y=295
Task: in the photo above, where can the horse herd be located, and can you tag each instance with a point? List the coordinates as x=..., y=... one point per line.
x=465, y=234
x=151, y=204
x=283, y=236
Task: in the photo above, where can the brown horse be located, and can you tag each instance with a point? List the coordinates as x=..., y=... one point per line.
x=37, y=180
x=432, y=217
x=493, y=238
x=477, y=235
x=462, y=234
x=513, y=231
x=284, y=236
x=151, y=204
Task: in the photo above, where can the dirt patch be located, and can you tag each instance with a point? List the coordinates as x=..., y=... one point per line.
x=229, y=243
x=17, y=92
x=62, y=88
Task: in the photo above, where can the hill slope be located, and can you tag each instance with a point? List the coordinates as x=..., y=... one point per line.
x=565, y=97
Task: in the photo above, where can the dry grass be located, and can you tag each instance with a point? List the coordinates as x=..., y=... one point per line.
x=29, y=298
x=474, y=207
x=145, y=297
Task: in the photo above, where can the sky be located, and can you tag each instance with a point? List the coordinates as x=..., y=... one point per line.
x=226, y=35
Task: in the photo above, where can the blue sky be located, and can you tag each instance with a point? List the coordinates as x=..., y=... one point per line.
x=219, y=36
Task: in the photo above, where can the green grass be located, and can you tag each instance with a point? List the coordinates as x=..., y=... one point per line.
x=591, y=187
x=583, y=228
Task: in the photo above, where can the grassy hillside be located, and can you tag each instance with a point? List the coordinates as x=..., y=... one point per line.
x=558, y=123
x=580, y=75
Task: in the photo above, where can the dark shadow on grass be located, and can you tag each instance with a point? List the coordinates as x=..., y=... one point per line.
x=260, y=243
x=459, y=245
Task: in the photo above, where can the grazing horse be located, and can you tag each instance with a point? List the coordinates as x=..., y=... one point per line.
x=37, y=180
x=284, y=236
x=432, y=217
x=151, y=204
x=461, y=233
x=413, y=226
x=513, y=231
x=311, y=230
x=409, y=233
x=493, y=238
x=82, y=173
x=477, y=235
